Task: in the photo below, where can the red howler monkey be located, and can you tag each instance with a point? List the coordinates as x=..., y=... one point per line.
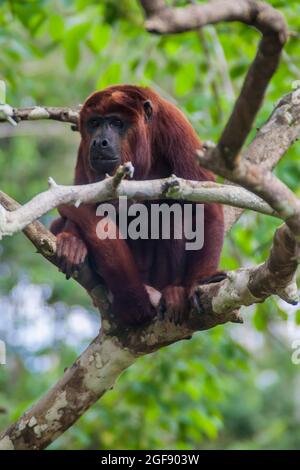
x=130, y=123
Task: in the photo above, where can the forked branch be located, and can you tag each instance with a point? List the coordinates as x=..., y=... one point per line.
x=162, y=19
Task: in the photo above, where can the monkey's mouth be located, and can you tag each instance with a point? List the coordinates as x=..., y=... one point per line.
x=103, y=163
x=109, y=159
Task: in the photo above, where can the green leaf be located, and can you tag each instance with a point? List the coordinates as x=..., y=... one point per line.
x=297, y=317
x=111, y=76
x=100, y=37
x=56, y=27
x=260, y=320
x=185, y=79
x=78, y=32
x=72, y=54
x=74, y=36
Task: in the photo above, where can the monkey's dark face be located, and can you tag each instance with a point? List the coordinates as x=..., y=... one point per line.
x=105, y=135
x=114, y=128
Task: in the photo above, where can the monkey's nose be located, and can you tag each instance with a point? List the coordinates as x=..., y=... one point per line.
x=101, y=143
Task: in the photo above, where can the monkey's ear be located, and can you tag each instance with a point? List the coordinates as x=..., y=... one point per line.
x=148, y=110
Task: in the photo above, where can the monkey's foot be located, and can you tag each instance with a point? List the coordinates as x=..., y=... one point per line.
x=216, y=277
x=195, y=297
x=195, y=301
x=174, y=304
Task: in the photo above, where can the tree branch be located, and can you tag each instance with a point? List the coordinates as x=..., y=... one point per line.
x=168, y=188
x=276, y=136
x=270, y=144
x=42, y=112
x=162, y=19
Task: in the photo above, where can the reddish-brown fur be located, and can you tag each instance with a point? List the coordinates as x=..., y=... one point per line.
x=158, y=147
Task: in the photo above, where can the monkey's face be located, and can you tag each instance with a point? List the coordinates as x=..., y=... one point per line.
x=105, y=134
x=114, y=126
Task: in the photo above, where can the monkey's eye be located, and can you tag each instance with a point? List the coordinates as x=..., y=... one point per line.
x=116, y=122
x=93, y=123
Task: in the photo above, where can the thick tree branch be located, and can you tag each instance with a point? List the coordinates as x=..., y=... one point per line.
x=270, y=144
x=162, y=19
x=167, y=188
x=41, y=112
x=276, y=136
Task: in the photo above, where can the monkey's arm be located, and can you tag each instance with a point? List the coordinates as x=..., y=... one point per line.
x=71, y=249
x=114, y=262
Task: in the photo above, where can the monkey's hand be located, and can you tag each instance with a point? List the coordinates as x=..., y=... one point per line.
x=71, y=253
x=174, y=304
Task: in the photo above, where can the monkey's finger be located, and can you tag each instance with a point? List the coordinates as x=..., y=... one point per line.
x=67, y=248
x=70, y=254
x=161, y=311
x=62, y=265
x=196, y=302
x=81, y=255
x=170, y=312
x=60, y=248
x=69, y=269
x=184, y=313
x=178, y=316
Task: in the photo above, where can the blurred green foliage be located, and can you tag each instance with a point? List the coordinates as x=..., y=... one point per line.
x=233, y=387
